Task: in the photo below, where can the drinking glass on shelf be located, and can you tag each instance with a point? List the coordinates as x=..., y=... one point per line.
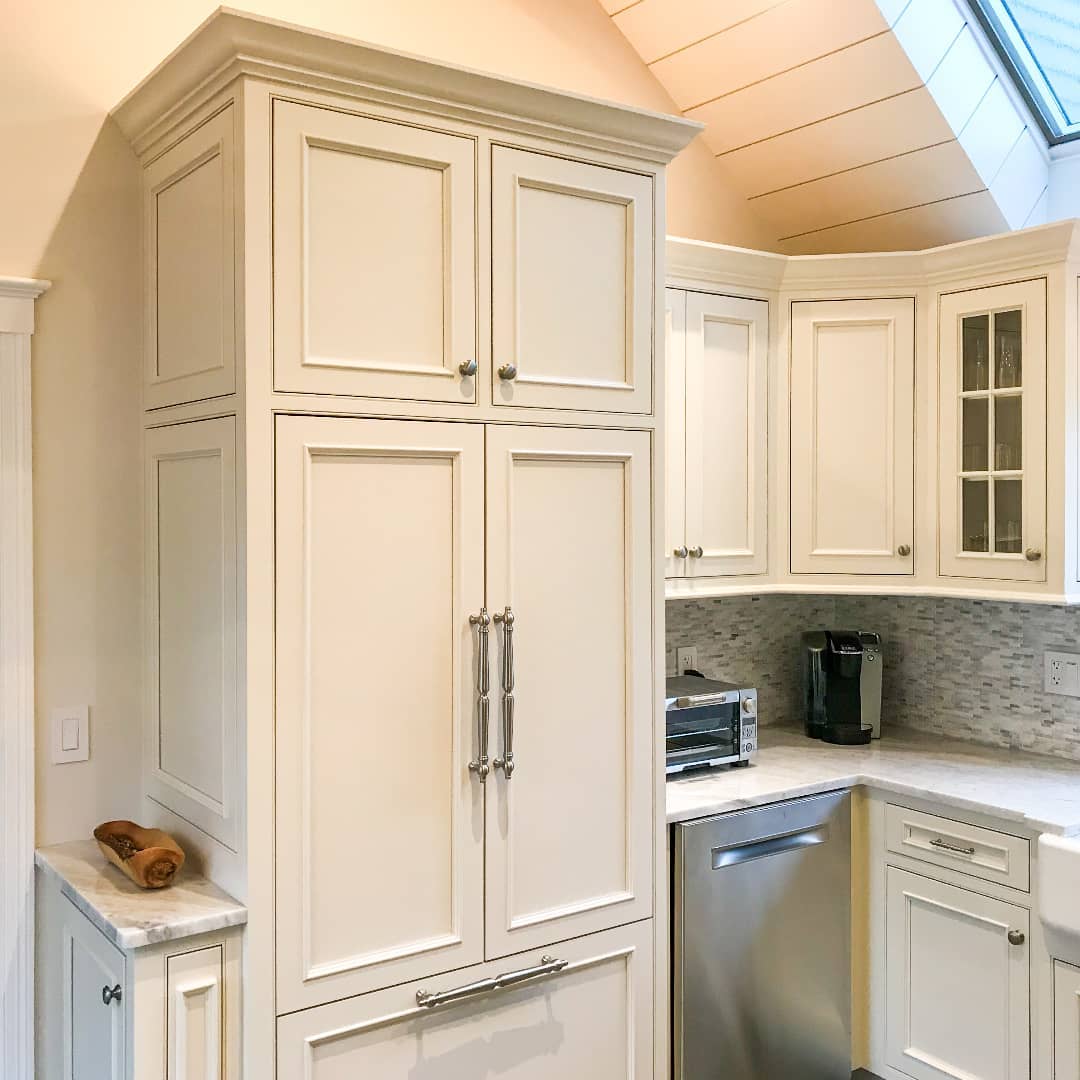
x=1006, y=373
x=974, y=457
x=1005, y=456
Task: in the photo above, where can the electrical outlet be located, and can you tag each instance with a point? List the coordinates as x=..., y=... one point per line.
x=1061, y=674
x=686, y=658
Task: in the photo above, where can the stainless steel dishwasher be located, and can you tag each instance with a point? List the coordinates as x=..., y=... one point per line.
x=762, y=943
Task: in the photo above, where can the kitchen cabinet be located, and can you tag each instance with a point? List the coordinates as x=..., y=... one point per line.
x=93, y=983
x=1066, y=1021
x=717, y=470
x=429, y=265
x=586, y=1012
x=993, y=432
x=852, y=436
x=573, y=298
x=956, y=981
x=375, y=273
x=568, y=554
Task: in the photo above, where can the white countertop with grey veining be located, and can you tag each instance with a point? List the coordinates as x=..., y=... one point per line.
x=133, y=917
x=1039, y=793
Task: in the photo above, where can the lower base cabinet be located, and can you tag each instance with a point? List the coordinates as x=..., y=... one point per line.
x=1066, y=1022
x=957, y=985
x=591, y=1018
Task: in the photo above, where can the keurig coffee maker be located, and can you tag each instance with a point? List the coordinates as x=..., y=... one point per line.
x=842, y=684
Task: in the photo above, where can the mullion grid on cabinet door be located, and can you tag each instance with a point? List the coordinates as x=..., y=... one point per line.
x=991, y=377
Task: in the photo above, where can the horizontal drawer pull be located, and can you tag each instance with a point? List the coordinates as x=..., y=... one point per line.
x=763, y=849
x=955, y=849
x=548, y=966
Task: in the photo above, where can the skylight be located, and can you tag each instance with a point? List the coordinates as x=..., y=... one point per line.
x=1040, y=40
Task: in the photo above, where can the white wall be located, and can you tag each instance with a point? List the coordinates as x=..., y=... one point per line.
x=69, y=213
x=1064, y=192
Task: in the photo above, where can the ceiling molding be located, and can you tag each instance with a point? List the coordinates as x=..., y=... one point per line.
x=17, y=296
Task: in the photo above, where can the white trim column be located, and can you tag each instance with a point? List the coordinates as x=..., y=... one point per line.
x=17, y=296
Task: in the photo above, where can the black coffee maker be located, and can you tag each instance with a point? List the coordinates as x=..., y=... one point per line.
x=842, y=684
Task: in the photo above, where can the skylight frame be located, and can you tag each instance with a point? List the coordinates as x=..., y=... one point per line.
x=1011, y=45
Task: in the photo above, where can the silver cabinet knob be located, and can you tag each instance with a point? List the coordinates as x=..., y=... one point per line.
x=681, y=552
x=697, y=552
x=467, y=368
x=904, y=550
x=109, y=994
x=1016, y=937
x=1033, y=554
x=508, y=372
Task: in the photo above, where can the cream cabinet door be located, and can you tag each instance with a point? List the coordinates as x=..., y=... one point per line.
x=591, y=1019
x=380, y=554
x=956, y=988
x=993, y=433
x=676, y=552
x=727, y=437
x=570, y=832
x=1066, y=1022
x=852, y=436
x=93, y=990
x=196, y=1011
x=572, y=284
x=374, y=257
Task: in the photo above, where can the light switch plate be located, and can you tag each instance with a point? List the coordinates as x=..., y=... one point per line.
x=1061, y=674
x=70, y=728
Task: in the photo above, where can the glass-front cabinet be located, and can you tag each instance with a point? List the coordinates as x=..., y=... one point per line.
x=992, y=410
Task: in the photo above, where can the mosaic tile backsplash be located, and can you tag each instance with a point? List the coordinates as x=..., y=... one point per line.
x=971, y=669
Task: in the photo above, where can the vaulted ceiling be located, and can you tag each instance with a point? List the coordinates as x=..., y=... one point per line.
x=850, y=124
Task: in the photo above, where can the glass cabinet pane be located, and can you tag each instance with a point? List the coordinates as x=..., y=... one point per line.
x=976, y=350
x=975, y=431
x=1008, y=361
x=975, y=508
x=1008, y=518
x=1008, y=434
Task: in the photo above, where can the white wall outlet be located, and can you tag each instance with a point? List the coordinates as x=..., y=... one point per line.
x=70, y=726
x=686, y=658
x=1061, y=674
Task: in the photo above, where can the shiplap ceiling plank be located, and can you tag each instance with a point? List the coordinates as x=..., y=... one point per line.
x=1023, y=172
x=962, y=218
x=613, y=7
x=927, y=30
x=657, y=28
x=881, y=130
x=961, y=80
x=870, y=71
x=991, y=132
x=783, y=37
x=938, y=172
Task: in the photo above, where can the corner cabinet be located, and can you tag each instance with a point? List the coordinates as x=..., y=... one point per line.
x=993, y=410
x=422, y=519
x=920, y=430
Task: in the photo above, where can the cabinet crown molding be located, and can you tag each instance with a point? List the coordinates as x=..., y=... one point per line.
x=17, y=296
x=232, y=43
x=690, y=261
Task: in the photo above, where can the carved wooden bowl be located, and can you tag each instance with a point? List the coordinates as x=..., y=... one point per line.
x=150, y=857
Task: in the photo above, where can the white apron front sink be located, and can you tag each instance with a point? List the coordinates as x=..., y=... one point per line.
x=1059, y=895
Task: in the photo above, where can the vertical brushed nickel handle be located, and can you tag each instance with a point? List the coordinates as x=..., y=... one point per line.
x=681, y=552
x=508, y=372
x=467, y=368
x=481, y=766
x=506, y=762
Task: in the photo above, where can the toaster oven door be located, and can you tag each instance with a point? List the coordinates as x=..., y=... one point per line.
x=702, y=735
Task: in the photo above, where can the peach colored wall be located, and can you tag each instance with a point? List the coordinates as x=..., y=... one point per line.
x=69, y=199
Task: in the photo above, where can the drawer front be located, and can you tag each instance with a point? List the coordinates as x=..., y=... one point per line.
x=969, y=849
x=591, y=1019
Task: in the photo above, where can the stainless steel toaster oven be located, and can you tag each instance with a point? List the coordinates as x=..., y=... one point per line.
x=709, y=723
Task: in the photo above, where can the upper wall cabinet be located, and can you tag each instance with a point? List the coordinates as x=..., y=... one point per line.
x=852, y=436
x=993, y=432
x=717, y=435
x=374, y=257
x=572, y=299
x=190, y=314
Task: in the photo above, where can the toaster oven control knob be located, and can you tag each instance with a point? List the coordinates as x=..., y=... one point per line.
x=748, y=705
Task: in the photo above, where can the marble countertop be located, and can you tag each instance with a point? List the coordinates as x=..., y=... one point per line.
x=1041, y=794
x=133, y=917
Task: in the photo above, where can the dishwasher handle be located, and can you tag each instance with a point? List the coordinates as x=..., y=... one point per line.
x=723, y=857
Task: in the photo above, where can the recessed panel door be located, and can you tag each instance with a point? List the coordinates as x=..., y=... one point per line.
x=374, y=257
x=727, y=410
x=570, y=823
x=573, y=296
x=379, y=818
x=853, y=437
